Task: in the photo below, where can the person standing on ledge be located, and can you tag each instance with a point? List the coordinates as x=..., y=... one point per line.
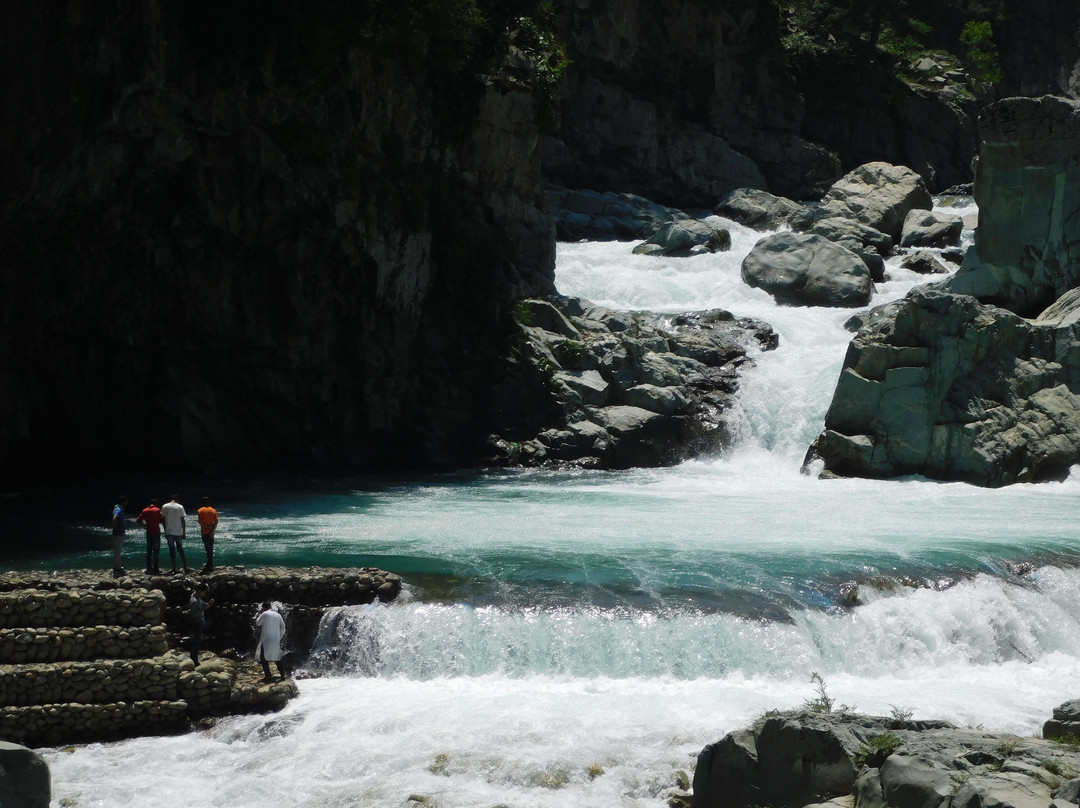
x=208, y=521
x=151, y=517
x=271, y=629
x=175, y=530
x=119, y=527
x=197, y=611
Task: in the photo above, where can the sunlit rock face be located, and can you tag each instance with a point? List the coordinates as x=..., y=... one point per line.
x=978, y=379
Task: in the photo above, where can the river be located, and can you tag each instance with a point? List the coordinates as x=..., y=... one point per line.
x=573, y=639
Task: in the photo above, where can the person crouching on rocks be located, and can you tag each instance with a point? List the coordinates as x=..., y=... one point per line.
x=271, y=630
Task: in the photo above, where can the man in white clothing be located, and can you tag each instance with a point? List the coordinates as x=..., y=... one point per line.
x=271, y=630
x=175, y=518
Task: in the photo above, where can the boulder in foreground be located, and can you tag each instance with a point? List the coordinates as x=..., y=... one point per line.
x=790, y=760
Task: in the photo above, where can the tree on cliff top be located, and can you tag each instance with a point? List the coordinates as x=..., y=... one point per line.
x=853, y=30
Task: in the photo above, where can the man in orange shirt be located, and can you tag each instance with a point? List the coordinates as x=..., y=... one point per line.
x=208, y=520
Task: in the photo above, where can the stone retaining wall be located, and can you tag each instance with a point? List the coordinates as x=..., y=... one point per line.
x=311, y=586
x=22, y=645
x=89, y=682
x=207, y=689
x=86, y=657
x=41, y=608
x=54, y=724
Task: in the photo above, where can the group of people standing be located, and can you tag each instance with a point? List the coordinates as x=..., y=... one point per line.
x=173, y=518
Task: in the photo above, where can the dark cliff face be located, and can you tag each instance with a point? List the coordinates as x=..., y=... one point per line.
x=682, y=102
x=237, y=234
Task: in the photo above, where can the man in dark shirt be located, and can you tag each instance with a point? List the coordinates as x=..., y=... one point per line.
x=197, y=612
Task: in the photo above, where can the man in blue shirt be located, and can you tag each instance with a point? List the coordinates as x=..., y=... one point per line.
x=119, y=526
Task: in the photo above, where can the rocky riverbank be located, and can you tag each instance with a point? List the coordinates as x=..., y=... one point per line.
x=846, y=760
x=86, y=657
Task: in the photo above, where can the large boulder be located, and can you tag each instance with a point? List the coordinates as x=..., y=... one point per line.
x=928, y=228
x=877, y=194
x=940, y=385
x=1027, y=185
x=24, y=777
x=807, y=269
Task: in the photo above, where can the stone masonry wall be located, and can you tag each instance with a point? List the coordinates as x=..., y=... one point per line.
x=87, y=657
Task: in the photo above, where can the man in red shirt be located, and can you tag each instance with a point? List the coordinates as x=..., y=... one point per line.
x=151, y=517
x=208, y=520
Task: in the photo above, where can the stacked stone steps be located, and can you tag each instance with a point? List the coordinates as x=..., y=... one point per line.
x=83, y=664
x=85, y=656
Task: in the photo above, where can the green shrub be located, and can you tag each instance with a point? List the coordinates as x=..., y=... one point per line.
x=878, y=749
x=982, y=53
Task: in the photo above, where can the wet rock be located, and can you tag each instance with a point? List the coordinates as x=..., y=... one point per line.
x=806, y=269
x=757, y=209
x=609, y=389
x=799, y=759
x=927, y=228
x=687, y=237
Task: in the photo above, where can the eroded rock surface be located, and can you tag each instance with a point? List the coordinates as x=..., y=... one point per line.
x=611, y=389
x=978, y=379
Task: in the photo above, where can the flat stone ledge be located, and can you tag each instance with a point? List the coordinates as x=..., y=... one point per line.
x=305, y=586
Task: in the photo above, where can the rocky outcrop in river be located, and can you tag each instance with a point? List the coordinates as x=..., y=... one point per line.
x=847, y=760
x=978, y=379
x=609, y=389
